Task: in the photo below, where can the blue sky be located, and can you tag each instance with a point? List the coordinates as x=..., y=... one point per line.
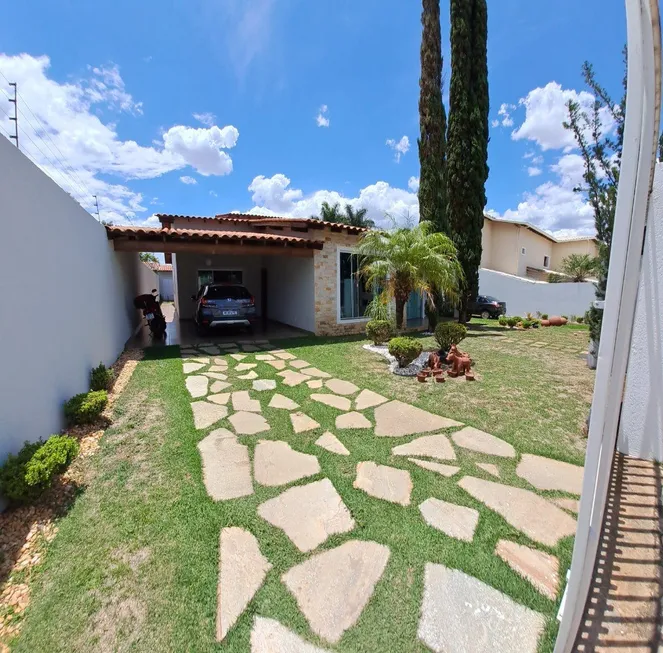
x=117, y=86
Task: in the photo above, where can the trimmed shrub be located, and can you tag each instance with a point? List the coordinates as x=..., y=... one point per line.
x=50, y=459
x=544, y=316
x=12, y=475
x=379, y=331
x=580, y=319
x=503, y=320
x=101, y=378
x=404, y=350
x=526, y=324
x=86, y=407
x=512, y=321
x=449, y=333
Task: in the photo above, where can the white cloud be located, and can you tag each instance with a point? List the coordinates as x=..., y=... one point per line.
x=400, y=147
x=413, y=184
x=188, y=180
x=69, y=126
x=545, y=113
x=273, y=196
x=213, y=193
x=322, y=119
x=535, y=159
x=570, y=169
x=533, y=171
x=207, y=119
x=504, y=115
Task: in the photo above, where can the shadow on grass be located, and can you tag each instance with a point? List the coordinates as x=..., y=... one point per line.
x=162, y=352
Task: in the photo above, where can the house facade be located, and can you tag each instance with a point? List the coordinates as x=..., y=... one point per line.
x=302, y=272
x=523, y=250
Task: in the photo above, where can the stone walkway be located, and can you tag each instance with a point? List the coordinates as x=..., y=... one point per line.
x=241, y=452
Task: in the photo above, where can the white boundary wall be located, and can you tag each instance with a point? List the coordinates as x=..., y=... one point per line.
x=529, y=296
x=65, y=300
x=641, y=423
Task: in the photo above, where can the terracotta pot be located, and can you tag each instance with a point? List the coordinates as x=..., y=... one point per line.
x=421, y=377
x=545, y=322
x=425, y=372
x=439, y=378
x=556, y=320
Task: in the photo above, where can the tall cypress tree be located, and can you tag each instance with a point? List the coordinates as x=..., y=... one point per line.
x=432, y=121
x=467, y=156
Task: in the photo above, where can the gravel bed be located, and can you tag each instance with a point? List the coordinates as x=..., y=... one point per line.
x=411, y=370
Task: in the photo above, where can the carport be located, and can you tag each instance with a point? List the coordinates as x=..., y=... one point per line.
x=278, y=269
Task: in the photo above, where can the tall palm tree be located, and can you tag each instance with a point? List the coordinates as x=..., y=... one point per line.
x=357, y=218
x=579, y=267
x=409, y=259
x=329, y=213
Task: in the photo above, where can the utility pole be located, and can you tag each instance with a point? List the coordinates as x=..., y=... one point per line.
x=97, y=203
x=15, y=117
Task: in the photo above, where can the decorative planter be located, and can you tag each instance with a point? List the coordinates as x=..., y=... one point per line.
x=545, y=323
x=421, y=377
x=439, y=378
x=556, y=320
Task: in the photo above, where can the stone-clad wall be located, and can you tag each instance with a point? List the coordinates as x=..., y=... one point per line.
x=326, y=287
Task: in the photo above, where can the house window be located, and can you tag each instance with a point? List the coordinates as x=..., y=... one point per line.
x=353, y=294
x=523, y=251
x=546, y=261
x=219, y=276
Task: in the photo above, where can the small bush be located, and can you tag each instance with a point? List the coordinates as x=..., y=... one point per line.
x=101, y=378
x=12, y=475
x=86, y=407
x=526, y=324
x=529, y=316
x=512, y=321
x=50, y=459
x=503, y=320
x=580, y=319
x=566, y=317
x=544, y=316
x=449, y=333
x=379, y=331
x=404, y=350
x=572, y=318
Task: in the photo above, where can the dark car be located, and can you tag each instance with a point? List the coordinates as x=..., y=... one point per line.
x=487, y=307
x=224, y=304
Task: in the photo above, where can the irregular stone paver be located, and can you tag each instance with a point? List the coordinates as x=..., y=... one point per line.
x=314, y=371
x=302, y=422
x=242, y=401
x=213, y=351
x=332, y=400
x=476, y=440
x=218, y=386
x=460, y=613
x=276, y=364
x=538, y=518
x=221, y=362
x=368, y=399
x=227, y=345
x=397, y=419
x=242, y=570
x=264, y=357
x=243, y=367
x=238, y=357
x=196, y=385
x=220, y=376
x=455, y=521
x=298, y=364
x=314, y=384
x=248, y=376
x=489, y=468
x=445, y=470
x=540, y=569
x=383, y=482
x=249, y=423
x=308, y=514
x=250, y=348
x=548, y=474
x=206, y=414
x=333, y=588
x=352, y=420
x=331, y=443
x=431, y=446
x=187, y=368
x=279, y=401
x=291, y=378
x=341, y=387
x=204, y=360
x=284, y=355
x=277, y=463
x=226, y=466
x=264, y=384
x=220, y=399
x=269, y=636
x=572, y=505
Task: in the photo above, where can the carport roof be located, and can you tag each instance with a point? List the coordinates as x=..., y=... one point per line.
x=148, y=234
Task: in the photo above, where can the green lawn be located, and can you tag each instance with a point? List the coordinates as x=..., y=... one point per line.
x=134, y=566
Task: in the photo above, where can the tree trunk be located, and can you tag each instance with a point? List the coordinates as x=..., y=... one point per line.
x=400, y=309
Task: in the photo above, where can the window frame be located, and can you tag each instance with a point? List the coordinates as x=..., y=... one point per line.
x=339, y=319
x=546, y=261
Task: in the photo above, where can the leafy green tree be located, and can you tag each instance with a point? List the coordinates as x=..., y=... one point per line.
x=357, y=217
x=432, y=121
x=402, y=261
x=148, y=257
x=467, y=139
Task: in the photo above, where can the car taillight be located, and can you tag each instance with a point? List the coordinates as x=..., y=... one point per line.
x=252, y=301
x=204, y=302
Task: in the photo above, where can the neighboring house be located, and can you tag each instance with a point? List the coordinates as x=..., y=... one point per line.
x=165, y=273
x=302, y=272
x=524, y=250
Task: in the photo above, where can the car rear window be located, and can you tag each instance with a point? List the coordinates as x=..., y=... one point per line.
x=227, y=292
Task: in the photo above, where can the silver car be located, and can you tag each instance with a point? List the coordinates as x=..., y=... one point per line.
x=224, y=304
